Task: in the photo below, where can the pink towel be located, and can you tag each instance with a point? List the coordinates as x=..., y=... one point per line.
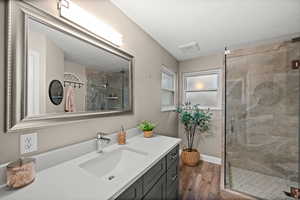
x=70, y=100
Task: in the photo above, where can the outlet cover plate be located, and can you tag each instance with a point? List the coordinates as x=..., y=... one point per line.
x=28, y=143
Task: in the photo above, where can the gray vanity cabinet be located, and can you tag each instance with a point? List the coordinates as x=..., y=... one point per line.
x=158, y=191
x=172, y=182
x=172, y=174
x=153, y=175
x=134, y=192
x=158, y=183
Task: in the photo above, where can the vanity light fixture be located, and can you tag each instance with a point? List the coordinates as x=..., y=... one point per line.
x=76, y=14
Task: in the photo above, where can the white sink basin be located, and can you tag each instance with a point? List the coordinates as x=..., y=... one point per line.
x=113, y=164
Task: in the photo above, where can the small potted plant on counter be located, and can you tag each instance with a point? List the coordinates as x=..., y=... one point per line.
x=147, y=127
x=195, y=120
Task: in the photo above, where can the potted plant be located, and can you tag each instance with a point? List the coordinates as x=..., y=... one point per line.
x=195, y=120
x=147, y=127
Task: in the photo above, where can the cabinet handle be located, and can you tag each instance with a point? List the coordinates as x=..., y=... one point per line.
x=135, y=193
x=174, y=177
x=173, y=156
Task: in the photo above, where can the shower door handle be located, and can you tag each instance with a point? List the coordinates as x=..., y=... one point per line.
x=231, y=126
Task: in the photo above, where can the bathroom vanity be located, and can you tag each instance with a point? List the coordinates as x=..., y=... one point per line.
x=159, y=182
x=144, y=168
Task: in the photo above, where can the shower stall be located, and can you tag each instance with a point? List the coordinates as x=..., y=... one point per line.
x=107, y=91
x=261, y=156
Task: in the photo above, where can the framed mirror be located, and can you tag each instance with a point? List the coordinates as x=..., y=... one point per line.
x=58, y=72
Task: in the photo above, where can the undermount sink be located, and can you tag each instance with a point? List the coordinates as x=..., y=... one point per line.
x=111, y=165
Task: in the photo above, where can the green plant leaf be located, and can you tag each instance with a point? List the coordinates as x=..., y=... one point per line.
x=146, y=126
x=195, y=120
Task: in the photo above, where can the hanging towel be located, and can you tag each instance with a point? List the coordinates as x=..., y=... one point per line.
x=70, y=100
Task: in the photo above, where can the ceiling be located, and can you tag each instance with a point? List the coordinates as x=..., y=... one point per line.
x=81, y=52
x=213, y=24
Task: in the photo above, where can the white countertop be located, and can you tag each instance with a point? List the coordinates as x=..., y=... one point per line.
x=67, y=181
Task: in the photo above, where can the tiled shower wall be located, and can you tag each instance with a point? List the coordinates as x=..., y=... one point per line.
x=262, y=118
x=98, y=96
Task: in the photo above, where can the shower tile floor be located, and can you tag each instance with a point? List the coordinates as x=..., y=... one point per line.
x=259, y=185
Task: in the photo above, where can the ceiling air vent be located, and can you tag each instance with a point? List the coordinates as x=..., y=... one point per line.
x=190, y=48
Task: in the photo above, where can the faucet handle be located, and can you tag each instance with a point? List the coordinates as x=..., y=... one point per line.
x=100, y=135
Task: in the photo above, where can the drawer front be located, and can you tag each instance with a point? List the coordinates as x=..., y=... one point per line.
x=154, y=174
x=172, y=174
x=158, y=191
x=173, y=156
x=134, y=192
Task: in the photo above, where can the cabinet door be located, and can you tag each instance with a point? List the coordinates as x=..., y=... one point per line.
x=173, y=157
x=172, y=182
x=173, y=193
x=158, y=191
x=134, y=192
x=154, y=174
x=172, y=175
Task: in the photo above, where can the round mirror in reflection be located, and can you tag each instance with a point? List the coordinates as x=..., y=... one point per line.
x=56, y=92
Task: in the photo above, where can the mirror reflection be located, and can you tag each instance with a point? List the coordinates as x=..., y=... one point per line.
x=92, y=79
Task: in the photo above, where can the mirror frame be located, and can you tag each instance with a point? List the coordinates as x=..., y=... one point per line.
x=17, y=14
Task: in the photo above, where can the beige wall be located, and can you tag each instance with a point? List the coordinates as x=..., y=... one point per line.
x=55, y=64
x=207, y=145
x=149, y=56
x=51, y=66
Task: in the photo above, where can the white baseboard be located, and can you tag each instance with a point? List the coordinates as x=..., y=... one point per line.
x=211, y=159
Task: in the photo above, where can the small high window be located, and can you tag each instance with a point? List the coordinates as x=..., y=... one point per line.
x=203, y=88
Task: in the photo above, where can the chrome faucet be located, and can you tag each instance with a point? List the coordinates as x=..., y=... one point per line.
x=100, y=139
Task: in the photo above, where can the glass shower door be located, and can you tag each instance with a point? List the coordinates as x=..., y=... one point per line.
x=262, y=120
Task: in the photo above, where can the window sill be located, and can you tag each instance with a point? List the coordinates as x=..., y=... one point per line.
x=168, y=109
x=212, y=108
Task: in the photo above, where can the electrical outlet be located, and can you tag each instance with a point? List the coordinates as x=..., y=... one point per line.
x=28, y=143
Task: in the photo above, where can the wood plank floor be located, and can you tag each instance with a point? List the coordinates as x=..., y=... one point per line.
x=202, y=183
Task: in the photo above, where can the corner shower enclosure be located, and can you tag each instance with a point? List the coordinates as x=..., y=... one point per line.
x=262, y=120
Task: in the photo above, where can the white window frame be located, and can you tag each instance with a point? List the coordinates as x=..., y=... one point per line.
x=169, y=72
x=203, y=73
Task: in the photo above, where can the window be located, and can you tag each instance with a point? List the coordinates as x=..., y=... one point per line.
x=168, y=85
x=203, y=88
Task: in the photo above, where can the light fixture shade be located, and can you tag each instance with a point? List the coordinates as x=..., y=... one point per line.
x=76, y=14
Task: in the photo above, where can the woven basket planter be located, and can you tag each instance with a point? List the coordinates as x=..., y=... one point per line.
x=190, y=158
x=148, y=134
